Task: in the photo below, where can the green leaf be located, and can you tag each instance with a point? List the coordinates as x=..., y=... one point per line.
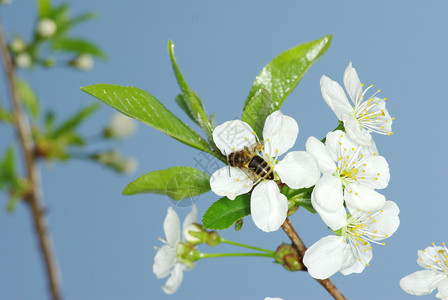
x=29, y=98
x=301, y=197
x=60, y=14
x=190, y=99
x=7, y=168
x=142, y=106
x=6, y=116
x=177, y=182
x=78, y=46
x=257, y=110
x=224, y=212
x=83, y=17
x=44, y=8
x=284, y=72
x=75, y=120
x=180, y=100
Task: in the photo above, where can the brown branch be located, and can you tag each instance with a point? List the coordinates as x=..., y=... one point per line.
x=300, y=246
x=33, y=197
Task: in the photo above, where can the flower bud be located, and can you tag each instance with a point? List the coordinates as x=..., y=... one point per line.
x=18, y=44
x=289, y=258
x=213, y=238
x=83, y=62
x=120, y=126
x=116, y=161
x=23, y=60
x=46, y=28
x=195, y=234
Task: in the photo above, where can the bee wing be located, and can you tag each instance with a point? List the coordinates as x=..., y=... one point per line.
x=256, y=148
x=252, y=176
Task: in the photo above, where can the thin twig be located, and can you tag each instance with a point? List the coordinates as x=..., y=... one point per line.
x=33, y=197
x=301, y=248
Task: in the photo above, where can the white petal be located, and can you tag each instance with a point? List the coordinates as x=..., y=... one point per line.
x=268, y=207
x=279, y=133
x=164, y=260
x=191, y=217
x=298, y=170
x=386, y=221
x=352, y=84
x=376, y=172
x=318, y=150
x=326, y=256
x=334, y=219
x=421, y=282
x=230, y=186
x=335, y=141
x=355, y=130
x=363, y=198
x=443, y=289
x=335, y=97
x=233, y=136
x=173, y=283
x=171, y=227
x=361, y=258
x=328, y=193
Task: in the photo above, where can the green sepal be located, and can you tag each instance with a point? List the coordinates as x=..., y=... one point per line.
x=224, y=212
x=177, y=182
x=190, y=100
x=257, y=110
x=142, y=106
x=301, y=197
x=283, y=73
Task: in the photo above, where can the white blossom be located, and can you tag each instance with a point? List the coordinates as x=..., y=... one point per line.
x=364, y=116
x=166, y=261
x=435, y=262
x=23, y=60
x=351, y=173
x=297, y=169
x=350, y=251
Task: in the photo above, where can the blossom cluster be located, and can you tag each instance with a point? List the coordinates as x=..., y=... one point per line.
x=345, y=172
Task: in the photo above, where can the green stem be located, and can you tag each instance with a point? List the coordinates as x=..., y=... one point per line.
x=223, y=240
x=209, y=255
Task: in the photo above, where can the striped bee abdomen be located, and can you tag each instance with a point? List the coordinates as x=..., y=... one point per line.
x=260, y=167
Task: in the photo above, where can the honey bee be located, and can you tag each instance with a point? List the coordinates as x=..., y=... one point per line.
x=250, y=162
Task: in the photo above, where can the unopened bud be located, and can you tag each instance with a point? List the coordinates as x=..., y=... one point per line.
x=195, y=234
x=46, y=28
x=23, y=60
x=116, y=161
x=120, y=126
x=18, y=44
x=213, y=238
x=289, y=258
x=83, y=62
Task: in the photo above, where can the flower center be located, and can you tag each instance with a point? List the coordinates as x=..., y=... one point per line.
x=439, y=262
x=371, y=114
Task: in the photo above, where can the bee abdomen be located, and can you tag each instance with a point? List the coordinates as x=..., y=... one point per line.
x=260, y=167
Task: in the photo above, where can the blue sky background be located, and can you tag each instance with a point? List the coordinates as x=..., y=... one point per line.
x=104, y=241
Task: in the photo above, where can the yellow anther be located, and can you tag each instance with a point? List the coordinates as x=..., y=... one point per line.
x=233, y=148
x=245, y=185
x=155, y=247
x=359, y=259
x=385, y=98
x=365, y=165
x=237, y=180
x=267, y=140
x=371, y=85
x=374, y=153
x=376, y=178
x=393, y=118
x=367, y=264
x=245, y=138
x=379, y=91
x=340, y=143
x=342, y=135
x=353, y=148
x=276, y=150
